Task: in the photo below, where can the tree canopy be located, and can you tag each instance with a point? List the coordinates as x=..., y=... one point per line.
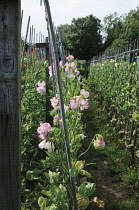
x=120, y=30
x=82, y=38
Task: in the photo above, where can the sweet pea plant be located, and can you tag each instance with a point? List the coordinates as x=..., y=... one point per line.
x=48, y=172
x=115, y=87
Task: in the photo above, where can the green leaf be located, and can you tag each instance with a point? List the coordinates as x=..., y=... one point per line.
x=36, y=172
x=47, y=193
x=29, y=175
x=86, y=190
x=74, y=171
x=79, y=164
x=52, y=207
x=85, y=173
x=42, y=202
x=23, y=149
x=52, y=113
x=54, y=177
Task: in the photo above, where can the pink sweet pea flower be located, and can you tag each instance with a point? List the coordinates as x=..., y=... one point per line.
x=70, y=57
x=73, y=104
x=84, y=104
x=77, y=72
x=66, y=107
x=44, y=129
x=79, y=114
x=84, y=93
x=73, y=65
x=41, y=89
x=57, y=96
x=49, y=145
x=54, y=102
x=56, y=118
x=99, y=143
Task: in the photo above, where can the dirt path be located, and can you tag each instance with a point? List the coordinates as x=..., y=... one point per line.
x=106, y=186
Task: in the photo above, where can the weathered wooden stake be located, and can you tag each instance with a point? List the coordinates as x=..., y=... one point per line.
x=10, y=18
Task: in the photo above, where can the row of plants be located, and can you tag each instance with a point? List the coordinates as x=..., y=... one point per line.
x=45, y=174
x=114, y=87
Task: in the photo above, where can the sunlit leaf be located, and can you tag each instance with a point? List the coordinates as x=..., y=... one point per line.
x=86, y=189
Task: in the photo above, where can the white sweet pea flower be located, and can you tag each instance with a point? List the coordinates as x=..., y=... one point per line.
x=82, y=136
x=47, y=145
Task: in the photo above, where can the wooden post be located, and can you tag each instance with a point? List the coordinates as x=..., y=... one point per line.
x=44, y=45
x=10, y=18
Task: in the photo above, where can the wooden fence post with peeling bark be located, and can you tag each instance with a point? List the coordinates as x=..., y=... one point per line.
x=10, y=16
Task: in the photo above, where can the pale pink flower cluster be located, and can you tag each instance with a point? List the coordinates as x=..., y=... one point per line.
x=44, y=129
x=46, y=145
x=41, y=89
x=83, y=104
x=71, y=69
x=80, y=101
x=84, y=93
x=55, y=101
x=99, y=143
x=76, y=101
x=70, y=57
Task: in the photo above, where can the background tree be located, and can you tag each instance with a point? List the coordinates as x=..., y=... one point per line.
x=131, y=25
x=82, y=38
x=120, y=30
x=112, y=28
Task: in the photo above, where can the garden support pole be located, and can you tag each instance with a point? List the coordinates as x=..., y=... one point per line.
x=56, y=66
x=10, y=18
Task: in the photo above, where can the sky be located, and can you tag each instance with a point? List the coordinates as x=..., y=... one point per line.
x=63, y=11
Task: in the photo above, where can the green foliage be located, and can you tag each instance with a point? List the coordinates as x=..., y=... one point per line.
x=119, y=30
x=114, y=87
x=82, y=38
x=45, y=175
x=86, y=189
x=112, y=27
